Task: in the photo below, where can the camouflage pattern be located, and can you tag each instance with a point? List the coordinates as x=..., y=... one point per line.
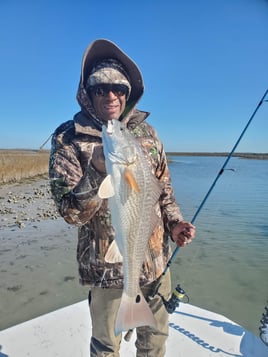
x=74, y=186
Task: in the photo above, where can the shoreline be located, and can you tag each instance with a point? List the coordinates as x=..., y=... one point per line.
x=247, y=155
x=242, y=155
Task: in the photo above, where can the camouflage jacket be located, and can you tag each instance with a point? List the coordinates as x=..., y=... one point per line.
x=75, y=183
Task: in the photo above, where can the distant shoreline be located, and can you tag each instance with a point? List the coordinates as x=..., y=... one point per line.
x=242, y=155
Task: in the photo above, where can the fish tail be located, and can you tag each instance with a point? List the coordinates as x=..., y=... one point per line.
x=133, y=312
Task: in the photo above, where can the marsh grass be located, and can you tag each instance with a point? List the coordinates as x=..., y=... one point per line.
x=17, y=165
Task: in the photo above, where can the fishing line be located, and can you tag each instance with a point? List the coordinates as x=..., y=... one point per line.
x=222, y=169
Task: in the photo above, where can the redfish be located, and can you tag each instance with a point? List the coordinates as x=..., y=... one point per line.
x=132, y=191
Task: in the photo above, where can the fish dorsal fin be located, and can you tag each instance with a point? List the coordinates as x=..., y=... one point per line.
x=113, y=254
x=106, y=188
x=130, y=180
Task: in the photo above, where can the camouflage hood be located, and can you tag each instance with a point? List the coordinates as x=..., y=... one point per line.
x=97, y=51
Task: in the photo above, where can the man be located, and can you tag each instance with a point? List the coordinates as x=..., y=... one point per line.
x=110, y=87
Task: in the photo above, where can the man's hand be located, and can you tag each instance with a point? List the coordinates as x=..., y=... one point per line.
x=183, y=233
x=98, y=160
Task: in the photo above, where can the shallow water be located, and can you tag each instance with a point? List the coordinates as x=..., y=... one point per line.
x=38, y=270
x=226, y=268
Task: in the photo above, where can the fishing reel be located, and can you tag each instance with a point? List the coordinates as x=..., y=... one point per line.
x=178, y=295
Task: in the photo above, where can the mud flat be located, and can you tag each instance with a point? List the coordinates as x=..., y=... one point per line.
x=38, y=269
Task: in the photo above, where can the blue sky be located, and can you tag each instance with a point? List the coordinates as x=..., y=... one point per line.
x=204, y=63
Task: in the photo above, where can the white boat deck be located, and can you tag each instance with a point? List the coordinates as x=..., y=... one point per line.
x=194, y=332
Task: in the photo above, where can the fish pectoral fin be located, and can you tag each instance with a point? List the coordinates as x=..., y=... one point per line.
x=113, y=254
x=106, y=188
x=130, y=180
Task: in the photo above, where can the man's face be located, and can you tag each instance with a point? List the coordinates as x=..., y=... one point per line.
x=109, y=100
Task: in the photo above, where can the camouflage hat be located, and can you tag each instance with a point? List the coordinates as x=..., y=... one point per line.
x=108, y=71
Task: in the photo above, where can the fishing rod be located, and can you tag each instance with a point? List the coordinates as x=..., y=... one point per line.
x=179, y=294
x=41, y=147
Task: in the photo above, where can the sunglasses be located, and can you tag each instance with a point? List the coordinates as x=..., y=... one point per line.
x=102, y=90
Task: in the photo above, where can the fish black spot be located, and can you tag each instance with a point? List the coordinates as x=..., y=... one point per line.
x=138, y=299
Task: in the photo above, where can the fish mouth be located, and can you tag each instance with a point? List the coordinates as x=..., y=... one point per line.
x=110, y=127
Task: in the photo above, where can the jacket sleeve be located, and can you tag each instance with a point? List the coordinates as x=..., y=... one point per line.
x=169, y=207
x=74, y=191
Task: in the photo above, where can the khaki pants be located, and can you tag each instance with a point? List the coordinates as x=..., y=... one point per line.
x=103, y=308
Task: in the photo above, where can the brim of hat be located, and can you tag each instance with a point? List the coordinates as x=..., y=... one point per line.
x=103, y=49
